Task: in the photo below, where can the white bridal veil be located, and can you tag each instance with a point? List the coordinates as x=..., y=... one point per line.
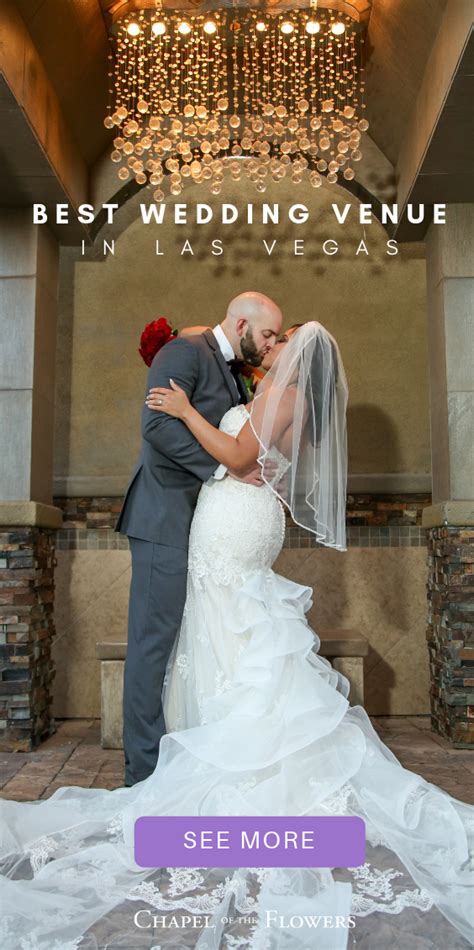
x=299, y=418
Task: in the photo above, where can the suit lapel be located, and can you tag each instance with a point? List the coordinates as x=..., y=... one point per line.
x=244, y=393
x=226, y=373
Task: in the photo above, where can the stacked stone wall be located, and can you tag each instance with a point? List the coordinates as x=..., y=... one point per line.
x=27, y=561
x=450, y=632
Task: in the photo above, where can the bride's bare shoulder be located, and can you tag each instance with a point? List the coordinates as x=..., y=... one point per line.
x=282, y=396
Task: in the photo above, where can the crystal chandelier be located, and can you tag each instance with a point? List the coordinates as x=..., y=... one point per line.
x=236, y=93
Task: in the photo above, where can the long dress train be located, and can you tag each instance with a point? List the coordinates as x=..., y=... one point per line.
x=259, y=724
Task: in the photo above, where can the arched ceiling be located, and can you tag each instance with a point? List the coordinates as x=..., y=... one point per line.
x=71, y=39
x=399, y=40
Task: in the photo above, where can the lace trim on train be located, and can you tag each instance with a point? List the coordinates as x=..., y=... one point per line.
x=373, y=892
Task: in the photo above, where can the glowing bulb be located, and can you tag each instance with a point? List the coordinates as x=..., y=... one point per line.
x=338, y=27
x=260, y=26
x=313, y=27
x=287, y=26
x=210, y=27
x=184, y=27
x=158, y=28
x=133, y=28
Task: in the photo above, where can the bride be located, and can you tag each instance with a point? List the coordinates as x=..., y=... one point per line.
x=258, y=724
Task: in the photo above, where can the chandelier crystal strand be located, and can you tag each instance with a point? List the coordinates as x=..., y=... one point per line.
x=233, y=93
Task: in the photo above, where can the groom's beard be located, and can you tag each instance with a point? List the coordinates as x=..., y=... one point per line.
x=249, y=349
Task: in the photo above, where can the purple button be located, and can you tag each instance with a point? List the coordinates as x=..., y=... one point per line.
x=220, y=842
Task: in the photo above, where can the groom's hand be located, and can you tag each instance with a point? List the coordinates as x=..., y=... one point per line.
x=252, y=477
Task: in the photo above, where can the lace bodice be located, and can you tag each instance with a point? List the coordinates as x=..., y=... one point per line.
x=234, y=420
x=252, y=516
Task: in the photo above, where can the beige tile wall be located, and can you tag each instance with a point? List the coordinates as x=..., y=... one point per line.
x=380, y=591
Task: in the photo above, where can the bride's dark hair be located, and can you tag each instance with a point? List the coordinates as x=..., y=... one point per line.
x=323, y=380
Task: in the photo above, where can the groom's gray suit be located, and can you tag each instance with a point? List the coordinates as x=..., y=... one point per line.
x=156, y=516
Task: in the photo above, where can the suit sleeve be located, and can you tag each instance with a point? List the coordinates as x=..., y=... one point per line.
x=178, y=360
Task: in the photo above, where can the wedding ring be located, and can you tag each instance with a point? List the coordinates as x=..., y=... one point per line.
x=160, y=402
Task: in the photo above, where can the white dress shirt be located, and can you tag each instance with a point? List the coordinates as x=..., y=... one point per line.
x=224, y=345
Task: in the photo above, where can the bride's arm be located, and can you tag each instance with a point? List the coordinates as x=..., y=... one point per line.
x=236, y=453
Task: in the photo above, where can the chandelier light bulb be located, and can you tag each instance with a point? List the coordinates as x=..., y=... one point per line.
x=312, y=27
x=133, y=28
x=184, y=28
x=210, y=27
x=158, y=28
x=338, y=28
x=287, y=27
x=261, y=26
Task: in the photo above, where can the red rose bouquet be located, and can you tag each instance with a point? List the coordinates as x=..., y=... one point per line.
x=154, y=337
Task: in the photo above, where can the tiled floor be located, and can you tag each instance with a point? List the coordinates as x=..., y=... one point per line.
x=73, y=756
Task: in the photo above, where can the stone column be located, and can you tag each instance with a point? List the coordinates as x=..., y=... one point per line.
x=450, y=519
x=28, y=306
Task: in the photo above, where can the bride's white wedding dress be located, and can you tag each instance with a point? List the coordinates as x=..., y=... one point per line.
x=258, y=724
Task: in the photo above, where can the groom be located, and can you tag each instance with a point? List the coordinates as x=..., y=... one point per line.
x=160, y=501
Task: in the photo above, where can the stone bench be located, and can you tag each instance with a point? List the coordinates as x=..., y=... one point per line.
x=344, y=648
x=112, y=657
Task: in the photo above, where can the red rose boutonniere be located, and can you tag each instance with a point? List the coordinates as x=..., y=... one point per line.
x=154, y=337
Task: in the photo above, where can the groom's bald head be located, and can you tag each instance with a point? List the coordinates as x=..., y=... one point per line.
x=252, y=324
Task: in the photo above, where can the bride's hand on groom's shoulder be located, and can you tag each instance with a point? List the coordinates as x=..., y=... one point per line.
x=173, y=402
